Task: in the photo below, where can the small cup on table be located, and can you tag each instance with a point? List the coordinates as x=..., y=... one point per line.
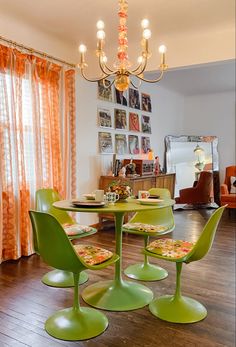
x=143, y=194
x=99, y=195
x=111, y=198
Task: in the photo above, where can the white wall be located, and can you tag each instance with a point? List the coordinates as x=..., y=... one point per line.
x=213, y=114
x=166, y=118
x=17, y=30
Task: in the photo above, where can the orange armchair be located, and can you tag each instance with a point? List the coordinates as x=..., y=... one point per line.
x=225, y=196
x=200, y=193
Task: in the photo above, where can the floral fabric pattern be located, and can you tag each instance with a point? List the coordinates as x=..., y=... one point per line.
x=76, y=229
x=92, y=255
x=37, y=148
x=170, y=248
x=142, y=227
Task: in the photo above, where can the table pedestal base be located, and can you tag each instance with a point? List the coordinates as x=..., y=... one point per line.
x=117, y=296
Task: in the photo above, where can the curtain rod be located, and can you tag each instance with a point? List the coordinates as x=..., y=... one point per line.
x=32, y=50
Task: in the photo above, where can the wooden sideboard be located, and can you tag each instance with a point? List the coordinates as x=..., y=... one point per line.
x=139, y=183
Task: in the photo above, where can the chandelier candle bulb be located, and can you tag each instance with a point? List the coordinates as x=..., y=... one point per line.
x=145, y=23
x=82, y=50
x=140, y=59
x=101, y=34
x=147, y=34
x=100, y=25
x=104, y=59
x=162, y=50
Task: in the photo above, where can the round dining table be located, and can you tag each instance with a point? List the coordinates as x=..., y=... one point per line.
x=116, y=294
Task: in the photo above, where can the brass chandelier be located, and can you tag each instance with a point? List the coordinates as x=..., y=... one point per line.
x=122, y=67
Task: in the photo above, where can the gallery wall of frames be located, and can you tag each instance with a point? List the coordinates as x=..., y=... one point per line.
x=124, y=122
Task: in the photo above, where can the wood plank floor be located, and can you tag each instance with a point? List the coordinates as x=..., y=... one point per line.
x=25, y=303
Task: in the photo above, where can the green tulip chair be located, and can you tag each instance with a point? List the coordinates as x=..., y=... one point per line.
x=162, y=217
x=44, y=203
x=75, y=323
x=177, y=308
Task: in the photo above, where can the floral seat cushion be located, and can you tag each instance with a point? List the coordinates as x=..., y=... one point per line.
x=142, y=227
x=76, y=229
x=92, y=255
x=170, y=248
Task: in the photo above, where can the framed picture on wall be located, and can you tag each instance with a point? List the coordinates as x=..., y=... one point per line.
x=104, y=90
x=146, y=124
x=121, y=97
x=145, y=144
x=120, y=144
x=104, y=118
x=146, y=102
x=120, y=119
x=134, y=122
x=134, y=100
x=105, y=142
x=134, y=144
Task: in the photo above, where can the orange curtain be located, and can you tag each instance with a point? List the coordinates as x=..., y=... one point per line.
x=31, y=110
x=69, y=138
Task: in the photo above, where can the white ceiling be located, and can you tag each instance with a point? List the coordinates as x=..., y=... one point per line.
x=74, y=21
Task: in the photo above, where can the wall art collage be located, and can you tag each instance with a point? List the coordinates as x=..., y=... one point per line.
x=129, y=116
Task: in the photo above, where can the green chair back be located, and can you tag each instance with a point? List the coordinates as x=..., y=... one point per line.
x=44, y=200
x=53, y=244
x=163, y=216
x=204, y=243
x=163, y=193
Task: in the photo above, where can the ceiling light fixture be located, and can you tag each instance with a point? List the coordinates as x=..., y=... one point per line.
x=122, y=66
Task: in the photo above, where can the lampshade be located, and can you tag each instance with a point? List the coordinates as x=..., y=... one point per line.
x=198, y=150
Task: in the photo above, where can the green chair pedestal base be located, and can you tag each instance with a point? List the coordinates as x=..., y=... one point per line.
x=117, y=295
x=62, y=279
x=177, y=310
x=71, y=324
x=146, y=272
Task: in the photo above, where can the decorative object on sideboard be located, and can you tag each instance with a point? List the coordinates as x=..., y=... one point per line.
x=130, y=168
x=122, y=172
x=157, y=166
x=121, y=188
x=122, y=71
x=151, y=154
x=143, y=167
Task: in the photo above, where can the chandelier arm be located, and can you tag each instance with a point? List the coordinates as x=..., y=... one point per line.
x=96, y=79
x=141, y=66
x=102, y=65
x=151, y=81
x=136, y=87
x=136, y=69
x=108, y=69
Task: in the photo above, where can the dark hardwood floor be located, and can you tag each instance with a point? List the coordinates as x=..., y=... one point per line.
x=25, y=303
